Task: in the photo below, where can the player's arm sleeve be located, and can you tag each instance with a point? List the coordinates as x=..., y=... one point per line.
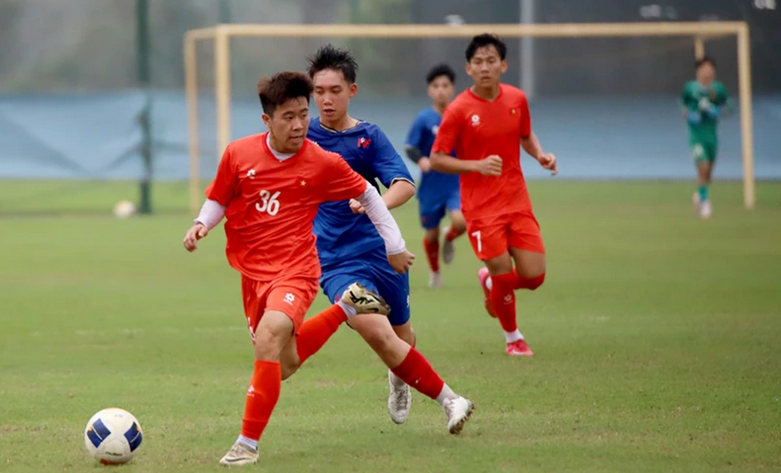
x=211, y=214
x=525, y=118
x=448, y=132
x=223, y=188
x=412, y=144
x=387, y=164
x=383, y=221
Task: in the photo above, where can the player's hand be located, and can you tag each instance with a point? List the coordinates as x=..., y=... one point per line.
x=548, y=161
x=401, y=262
x=357, y=207
x=490, y=166
x=195, y=233
x=425, y=165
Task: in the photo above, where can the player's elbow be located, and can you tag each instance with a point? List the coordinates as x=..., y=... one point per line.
x=406, y=190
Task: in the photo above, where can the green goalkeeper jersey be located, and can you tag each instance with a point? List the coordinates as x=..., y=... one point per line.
x=703, y=106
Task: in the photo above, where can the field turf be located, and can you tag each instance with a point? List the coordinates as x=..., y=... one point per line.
x=657, y=339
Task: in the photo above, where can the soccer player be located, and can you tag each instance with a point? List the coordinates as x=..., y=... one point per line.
x=703, y=100
x=484, y=125
x=438, y=193
x=350, y=248
x=268, y=187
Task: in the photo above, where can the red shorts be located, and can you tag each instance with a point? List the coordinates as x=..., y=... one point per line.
x=493, y=236
x=292, y=296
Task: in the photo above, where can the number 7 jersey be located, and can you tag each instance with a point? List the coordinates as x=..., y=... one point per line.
x=271, y=205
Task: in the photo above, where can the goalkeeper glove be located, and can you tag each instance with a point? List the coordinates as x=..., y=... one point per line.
x=693, y=117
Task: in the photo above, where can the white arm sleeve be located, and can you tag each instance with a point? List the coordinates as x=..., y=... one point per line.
x=383, y=220
x=211, y=214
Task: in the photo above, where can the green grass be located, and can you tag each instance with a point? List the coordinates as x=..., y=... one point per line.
x=657, y=340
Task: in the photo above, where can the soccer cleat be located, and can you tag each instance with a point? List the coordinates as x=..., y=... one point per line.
x=482, y=275
x=240, y=455
x=448, y=248
x=518, y=348
x=458, y=411
x=434, y=279
x=365, y=301
x=399, y=401
x=705, y=209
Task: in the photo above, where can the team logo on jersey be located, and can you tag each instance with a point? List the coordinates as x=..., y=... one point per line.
x=435, y=129
x=251, y=174
x=475, y=119
x=514, y=111
x=364, y=142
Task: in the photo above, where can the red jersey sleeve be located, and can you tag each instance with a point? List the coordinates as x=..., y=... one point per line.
x=526, y=117
x=448, y=131
x=339, y=181
x=223, y=188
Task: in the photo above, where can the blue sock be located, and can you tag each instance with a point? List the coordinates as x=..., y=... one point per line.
x=703, y=191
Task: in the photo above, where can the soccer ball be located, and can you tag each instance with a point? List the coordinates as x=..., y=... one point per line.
x=124, y=209
x=112, y=436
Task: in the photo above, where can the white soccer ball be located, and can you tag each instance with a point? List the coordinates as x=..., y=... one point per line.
x=124, y=209
x=112, y=436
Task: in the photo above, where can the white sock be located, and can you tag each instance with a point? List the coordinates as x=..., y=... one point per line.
x=348, y=309
x=446, y=394
x=488, y=283
x=397, y=382
x=511, y=337
x=253, y=444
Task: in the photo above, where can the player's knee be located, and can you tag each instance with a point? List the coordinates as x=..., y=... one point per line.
x=380, y=339
x=535, y=282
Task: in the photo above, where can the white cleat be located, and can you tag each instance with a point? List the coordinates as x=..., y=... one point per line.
x=365, y=301
x=705, y=209
x=434, y=279
x=399, y=401
x=457, y=411
x=239, y=455
x=448, y=248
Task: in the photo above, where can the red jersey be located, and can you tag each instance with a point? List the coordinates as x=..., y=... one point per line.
x=271, y=204
x=476, y=129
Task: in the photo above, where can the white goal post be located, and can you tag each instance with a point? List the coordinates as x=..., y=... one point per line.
x=222, y=34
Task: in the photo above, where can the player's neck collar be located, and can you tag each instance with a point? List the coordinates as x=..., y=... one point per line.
x=474, y=94
x=334, y=130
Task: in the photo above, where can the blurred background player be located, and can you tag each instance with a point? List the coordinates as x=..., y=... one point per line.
x=351, y=249
x=484, y=125
x=438, y=193
x=703, y=100
x=268, y=186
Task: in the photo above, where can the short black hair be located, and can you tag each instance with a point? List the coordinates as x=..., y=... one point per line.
x=282, y=87
x=441, y=70
x=704, y=60
x=483, y=40
x=331, y=57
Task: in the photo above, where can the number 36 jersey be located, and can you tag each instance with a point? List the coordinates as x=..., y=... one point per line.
x=271, y=205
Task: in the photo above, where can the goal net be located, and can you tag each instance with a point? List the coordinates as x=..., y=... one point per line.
x=604, y=97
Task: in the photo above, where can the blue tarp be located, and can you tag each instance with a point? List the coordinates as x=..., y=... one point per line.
x=98, y=136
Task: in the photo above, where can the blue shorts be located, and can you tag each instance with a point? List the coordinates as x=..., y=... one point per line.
x=373, y=271
x=433, y=210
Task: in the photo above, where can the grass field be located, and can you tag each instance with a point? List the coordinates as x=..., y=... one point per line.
x=657, y=340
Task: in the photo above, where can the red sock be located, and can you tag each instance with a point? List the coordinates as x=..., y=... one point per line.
x=522, y=282
x=262, y=396
x=453, y=233
x=417, y=372
x=503, y=300
x=316, y=330
x=432, y=253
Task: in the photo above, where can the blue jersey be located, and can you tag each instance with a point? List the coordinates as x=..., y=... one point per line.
x=340, y=233
x=434, y=186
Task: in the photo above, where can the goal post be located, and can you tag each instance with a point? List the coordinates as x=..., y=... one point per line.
x=221, y=35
